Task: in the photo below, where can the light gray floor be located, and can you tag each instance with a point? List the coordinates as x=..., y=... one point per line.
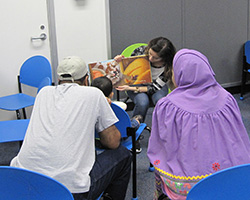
x=145, y=179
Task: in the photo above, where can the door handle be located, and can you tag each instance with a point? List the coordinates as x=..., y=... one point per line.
x=42, y=37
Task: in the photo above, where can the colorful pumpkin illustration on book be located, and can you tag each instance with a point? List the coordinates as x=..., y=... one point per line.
x=130, y=71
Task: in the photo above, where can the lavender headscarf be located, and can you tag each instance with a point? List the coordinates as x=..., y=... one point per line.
x=197, y=129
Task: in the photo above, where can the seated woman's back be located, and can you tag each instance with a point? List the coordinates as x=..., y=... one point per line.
x=197, y=129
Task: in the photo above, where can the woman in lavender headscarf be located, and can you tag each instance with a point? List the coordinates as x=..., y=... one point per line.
x=196, y=130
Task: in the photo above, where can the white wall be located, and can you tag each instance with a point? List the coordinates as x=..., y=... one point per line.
x=81, y=29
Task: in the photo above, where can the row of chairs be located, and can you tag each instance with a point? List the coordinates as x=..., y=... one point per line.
x=35, y=72
x=16, y=183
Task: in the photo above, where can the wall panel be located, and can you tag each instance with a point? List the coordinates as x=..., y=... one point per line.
x=218, y=28
x=141, y=20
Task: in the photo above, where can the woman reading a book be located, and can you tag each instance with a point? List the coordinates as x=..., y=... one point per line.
x=161, y=52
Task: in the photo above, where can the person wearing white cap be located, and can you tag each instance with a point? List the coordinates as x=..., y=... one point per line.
x=59, y=141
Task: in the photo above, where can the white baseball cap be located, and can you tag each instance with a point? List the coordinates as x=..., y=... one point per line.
x=72, y=66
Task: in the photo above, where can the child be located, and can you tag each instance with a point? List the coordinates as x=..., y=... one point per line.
x=106, y=86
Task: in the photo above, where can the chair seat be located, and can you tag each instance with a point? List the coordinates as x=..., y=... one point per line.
x=16, y=101
x=13, y=130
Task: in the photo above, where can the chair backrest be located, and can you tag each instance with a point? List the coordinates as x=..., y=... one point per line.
x=129, y=50
x=34, y=70
x=124, y=120
x=45, y=82
x=247, y=51
x=228, y=184
x=21, y=184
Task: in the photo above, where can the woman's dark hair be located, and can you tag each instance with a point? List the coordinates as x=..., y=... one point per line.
x=104, y=84
x=166, y=51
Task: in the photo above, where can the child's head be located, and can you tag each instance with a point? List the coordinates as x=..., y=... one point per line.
x=104, y=84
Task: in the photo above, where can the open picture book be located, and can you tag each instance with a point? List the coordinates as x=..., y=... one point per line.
x=130, y=71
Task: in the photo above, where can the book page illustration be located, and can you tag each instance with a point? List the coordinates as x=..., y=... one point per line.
x=130, y=71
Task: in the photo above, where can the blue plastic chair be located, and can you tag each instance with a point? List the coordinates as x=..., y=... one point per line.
x=246, y=67
x=131, y=135
x=122, y=125
x=228, y=184
x=32, y=73
x=45, y=82
x=23, y=184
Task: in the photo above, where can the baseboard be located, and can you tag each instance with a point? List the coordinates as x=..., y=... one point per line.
x=237, y=89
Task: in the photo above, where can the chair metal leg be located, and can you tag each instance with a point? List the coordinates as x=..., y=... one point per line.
x=151, y=166
x=148, y=129
x=24, y=113
x=243, y=79
x=131, y=132
x=125, y=101
x=20, y=143
x=18, y=114
x=117, y=95
x=99, y=198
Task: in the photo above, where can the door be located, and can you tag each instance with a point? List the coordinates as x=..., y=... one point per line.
x=82, y=29
x=24, y=33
